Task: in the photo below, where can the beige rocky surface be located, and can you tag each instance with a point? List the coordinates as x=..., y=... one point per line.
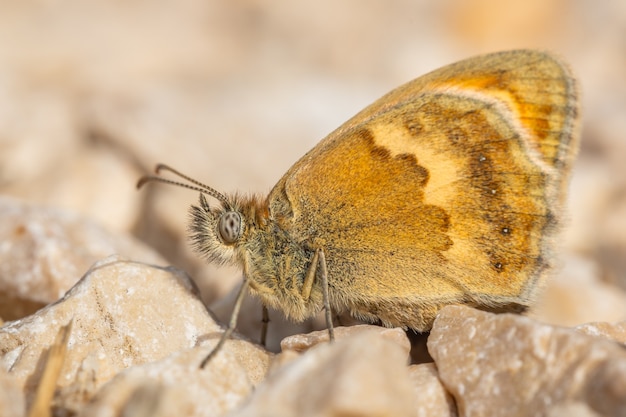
x=177, y=386
x=325, y=381
x=124, y=314
x=45, y=251
x=509, y=362
x=432, y=399
x=139, y=333
x=12, y=402
x=303, y=342
x=611, y=331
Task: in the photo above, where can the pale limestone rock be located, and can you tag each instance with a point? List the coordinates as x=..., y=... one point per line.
x=611, y=331
x=303, y=342
x=124, y=314
x=11, y=396
x=361, y=375
x=431, y=397
x=573, y=409
x=508, y=362
x=282, y=359
x=45, y=251
x=177, y=386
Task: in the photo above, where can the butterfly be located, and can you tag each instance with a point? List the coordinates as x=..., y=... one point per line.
x=447, y=190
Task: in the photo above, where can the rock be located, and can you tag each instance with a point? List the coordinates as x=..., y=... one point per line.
x=616, y=332
x=431, y=397
x=45, y=251
x=491, y=363
x=303, y=342
x=124, y=314
x=363, y=374
x=11, y=396
x=177, y=386
x=573, y=409
x=48, y=373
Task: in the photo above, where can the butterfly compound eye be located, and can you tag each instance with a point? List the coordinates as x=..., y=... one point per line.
x=230, y=227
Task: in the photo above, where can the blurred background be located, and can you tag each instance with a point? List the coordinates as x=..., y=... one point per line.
x=94, y=93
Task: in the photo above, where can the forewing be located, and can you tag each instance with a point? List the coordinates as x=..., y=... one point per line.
x=446, y=189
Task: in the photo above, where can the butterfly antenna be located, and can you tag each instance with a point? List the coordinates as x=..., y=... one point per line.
x=198, y=186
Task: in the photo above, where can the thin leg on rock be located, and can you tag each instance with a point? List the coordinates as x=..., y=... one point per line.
x=232, y=324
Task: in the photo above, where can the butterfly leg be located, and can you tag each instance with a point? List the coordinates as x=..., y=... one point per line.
x=264, y=326
x=232, y=324
x=318, y=269
x=324, y=279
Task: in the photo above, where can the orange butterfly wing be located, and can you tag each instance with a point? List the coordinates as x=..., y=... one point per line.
x=446, y=190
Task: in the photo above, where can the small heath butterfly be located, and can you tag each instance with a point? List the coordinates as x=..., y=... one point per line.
x=447, y=190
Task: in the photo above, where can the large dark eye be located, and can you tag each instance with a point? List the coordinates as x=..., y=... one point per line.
x=230, y=226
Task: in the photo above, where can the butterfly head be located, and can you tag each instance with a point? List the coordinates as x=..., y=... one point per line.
x=218, y=232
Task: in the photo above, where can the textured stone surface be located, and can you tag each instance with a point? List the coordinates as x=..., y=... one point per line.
x=124, y=314
x=12, y=402
x=431, y=397
x=611, y=331
x=572, y=409
x=507, y=362
x=45, y=251
x=363, y=374
x=177, y=386
x=302, y=342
